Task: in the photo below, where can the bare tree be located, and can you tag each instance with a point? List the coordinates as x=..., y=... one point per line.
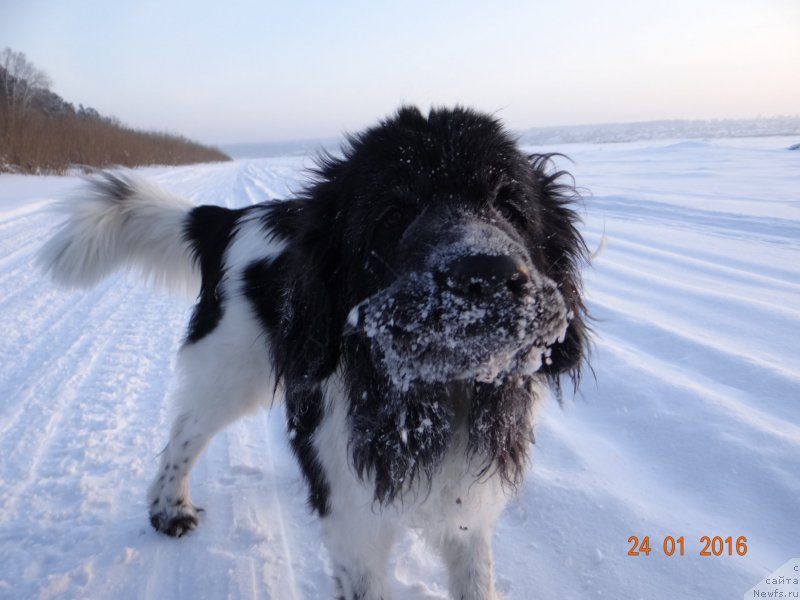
x=20, y=80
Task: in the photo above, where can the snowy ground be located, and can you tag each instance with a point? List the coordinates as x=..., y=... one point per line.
x=691, y=427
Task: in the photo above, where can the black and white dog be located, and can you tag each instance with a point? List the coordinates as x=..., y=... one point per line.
x=412, y=307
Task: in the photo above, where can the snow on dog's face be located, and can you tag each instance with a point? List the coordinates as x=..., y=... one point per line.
x=465, y=302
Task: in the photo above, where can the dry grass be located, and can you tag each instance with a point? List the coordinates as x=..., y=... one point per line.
x=40, y=143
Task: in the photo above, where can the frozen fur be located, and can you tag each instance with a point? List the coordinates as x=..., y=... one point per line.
x=412, y=307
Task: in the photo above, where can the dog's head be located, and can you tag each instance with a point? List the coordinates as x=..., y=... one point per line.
x=436, y=253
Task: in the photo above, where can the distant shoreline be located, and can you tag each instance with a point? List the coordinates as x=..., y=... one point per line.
x=568, y=134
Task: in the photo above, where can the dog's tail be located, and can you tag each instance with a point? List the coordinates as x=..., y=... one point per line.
x=122, y=220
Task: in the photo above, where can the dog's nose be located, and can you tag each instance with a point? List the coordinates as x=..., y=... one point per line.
x=483, y=274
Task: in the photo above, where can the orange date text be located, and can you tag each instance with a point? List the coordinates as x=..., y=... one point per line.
x=677, y=546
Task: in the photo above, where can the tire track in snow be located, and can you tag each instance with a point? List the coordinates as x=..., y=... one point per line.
x=56, y=336
x=98, y=438
x=768, y=230
x=705, y=388
x=702, y=296
x=716, y=333
x=52, y=314
x=263, y=503
x=17, y=256
x=702, y=266
x=13, y=217
x=34, y=427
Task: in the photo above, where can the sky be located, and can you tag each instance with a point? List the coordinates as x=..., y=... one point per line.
x=228, y=71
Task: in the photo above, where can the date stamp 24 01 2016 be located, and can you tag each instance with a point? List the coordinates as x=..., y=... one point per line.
x=672, y=546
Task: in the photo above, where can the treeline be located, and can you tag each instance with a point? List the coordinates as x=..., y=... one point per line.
x=41, y=133
x=41, y=143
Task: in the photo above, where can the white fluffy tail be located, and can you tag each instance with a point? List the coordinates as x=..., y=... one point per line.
x=122, y=220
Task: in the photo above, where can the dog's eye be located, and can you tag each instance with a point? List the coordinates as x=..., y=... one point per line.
x=504, y=204
x=507, y=212
x=393, y=217
x=510, y=212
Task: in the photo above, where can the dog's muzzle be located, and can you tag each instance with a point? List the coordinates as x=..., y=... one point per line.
x=475, y=309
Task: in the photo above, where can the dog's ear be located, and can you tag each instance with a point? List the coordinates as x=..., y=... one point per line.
x=564, y=253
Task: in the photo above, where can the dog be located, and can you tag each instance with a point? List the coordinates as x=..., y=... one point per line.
x=412, y=306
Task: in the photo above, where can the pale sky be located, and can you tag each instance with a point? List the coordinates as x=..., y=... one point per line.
x=245, y=71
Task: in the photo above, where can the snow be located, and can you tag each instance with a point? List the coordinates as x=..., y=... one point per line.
x=655, y=130
x=689, y=427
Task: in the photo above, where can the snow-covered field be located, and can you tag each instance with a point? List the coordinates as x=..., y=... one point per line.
x=690, y=426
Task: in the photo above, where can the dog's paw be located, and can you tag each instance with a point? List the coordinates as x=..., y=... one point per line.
x=175, y=520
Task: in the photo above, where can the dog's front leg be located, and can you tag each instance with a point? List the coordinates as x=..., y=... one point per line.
x=358, y=542
x=464, y=538
x=468, y=557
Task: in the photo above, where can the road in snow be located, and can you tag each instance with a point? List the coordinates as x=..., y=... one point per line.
x=690, y=427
